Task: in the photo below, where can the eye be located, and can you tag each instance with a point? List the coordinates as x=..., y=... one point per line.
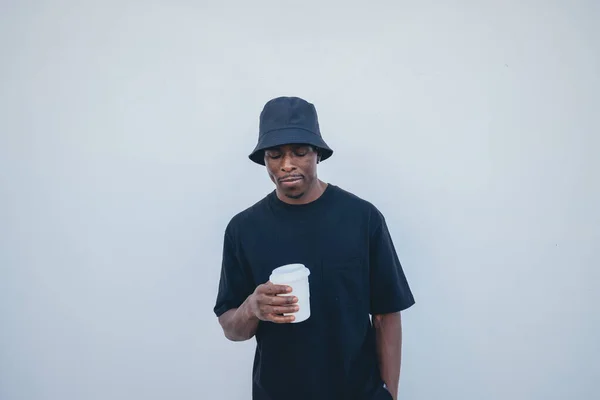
x=273, y=156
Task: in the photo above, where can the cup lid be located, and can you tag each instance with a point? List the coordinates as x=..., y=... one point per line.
x=289, y=273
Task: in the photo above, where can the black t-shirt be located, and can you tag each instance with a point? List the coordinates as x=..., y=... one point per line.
x=354, y=273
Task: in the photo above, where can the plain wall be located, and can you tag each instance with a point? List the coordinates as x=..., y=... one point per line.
x=124, y=134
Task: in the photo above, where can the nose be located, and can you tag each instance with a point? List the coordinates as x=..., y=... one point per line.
x=286, y=164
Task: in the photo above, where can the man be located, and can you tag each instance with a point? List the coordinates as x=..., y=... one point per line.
x=339, y=352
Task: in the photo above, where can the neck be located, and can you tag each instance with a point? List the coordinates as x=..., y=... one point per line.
x=313, y=193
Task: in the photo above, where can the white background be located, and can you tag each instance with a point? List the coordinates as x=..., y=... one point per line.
x=124, y=134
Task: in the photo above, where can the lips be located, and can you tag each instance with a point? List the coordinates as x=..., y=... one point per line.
x=290, y=179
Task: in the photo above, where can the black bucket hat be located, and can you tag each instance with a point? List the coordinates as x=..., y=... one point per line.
x=288, y=120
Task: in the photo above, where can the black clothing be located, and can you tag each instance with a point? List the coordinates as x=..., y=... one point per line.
x=355, y=271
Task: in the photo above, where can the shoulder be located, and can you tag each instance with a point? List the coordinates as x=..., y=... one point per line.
x=344, y=195
x=247, y=217
x=358, y=204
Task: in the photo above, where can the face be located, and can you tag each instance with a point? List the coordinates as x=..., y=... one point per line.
x=293, y=169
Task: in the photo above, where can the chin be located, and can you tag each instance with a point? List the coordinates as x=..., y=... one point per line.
x=290, y=188
x=294, y=196
x=292, y=192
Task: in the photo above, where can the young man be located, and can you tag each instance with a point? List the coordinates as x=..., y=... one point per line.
x=339, y=352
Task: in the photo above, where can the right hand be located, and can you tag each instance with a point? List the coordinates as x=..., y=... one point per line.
x=266, y=305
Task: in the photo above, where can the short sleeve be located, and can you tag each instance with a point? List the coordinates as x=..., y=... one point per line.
x=235, y=284
x=390, y=291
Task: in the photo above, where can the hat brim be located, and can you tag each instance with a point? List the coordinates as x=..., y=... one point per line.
x=289, y=136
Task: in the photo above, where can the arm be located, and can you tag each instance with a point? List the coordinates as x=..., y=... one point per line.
x=264, y=304
x=240, y=323
x=390, y=294
x=388, y=335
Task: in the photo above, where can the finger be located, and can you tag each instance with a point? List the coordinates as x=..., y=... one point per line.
x=281, y=319
x=280, y=300
x=266, y=309
x=281, y=310
x=272, y=289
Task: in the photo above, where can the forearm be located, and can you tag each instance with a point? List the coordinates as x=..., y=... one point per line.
x=240, y=323
x=388, y=334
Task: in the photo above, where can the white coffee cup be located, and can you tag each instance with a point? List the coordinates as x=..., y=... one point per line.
x=295, y=276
